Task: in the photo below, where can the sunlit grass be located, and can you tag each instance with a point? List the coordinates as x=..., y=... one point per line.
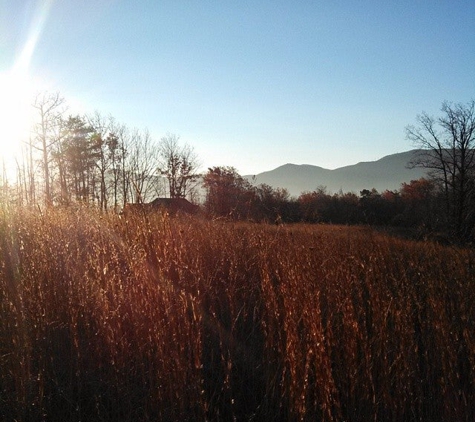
x=104, y=317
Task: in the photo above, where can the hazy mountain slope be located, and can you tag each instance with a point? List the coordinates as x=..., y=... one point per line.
x=387, y=173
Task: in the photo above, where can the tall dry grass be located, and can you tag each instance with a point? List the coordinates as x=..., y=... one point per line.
x=146, y=318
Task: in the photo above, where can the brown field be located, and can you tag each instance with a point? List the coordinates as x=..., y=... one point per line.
x=149, y=318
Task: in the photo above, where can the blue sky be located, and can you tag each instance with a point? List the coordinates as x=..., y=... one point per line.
x=252, y=84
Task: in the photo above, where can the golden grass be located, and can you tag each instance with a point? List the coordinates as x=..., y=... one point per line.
x=148, y=318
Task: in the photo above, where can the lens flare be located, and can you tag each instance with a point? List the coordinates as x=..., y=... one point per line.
x=17, y=90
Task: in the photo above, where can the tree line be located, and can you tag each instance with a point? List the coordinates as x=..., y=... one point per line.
x=94, y=160
x=416, y=204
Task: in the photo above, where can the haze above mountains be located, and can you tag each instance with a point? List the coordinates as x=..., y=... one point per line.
x=388, y=172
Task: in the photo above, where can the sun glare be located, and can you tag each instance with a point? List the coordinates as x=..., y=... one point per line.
x=15, y=113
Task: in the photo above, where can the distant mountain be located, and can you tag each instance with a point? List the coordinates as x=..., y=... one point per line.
x=388, y=172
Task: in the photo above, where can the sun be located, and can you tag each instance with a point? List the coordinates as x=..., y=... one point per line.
x=16, y=94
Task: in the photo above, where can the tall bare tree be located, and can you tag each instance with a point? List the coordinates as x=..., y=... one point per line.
x=142, y=165
x=179, y=165
x=105, y=143
x=116, y=144
x=25, y=175
x=50, y=108
x=447, y=148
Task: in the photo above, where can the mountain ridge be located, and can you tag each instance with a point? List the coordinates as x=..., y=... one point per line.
x=388, y=172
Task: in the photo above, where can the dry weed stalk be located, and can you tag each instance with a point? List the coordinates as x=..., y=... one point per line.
x=146, y=317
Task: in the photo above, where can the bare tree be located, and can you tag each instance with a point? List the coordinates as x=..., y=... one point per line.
x=26, y=173
x=179, y=165
x=118, y=153
x=448, y=149
x=50, y=108
x=142, y=165
x=106, y=144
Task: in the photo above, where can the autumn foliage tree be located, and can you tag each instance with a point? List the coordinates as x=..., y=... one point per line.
x=228, y=194
x=273, y=204
x=420, y=200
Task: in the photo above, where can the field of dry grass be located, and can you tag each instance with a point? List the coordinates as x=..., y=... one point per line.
x=148, y=318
